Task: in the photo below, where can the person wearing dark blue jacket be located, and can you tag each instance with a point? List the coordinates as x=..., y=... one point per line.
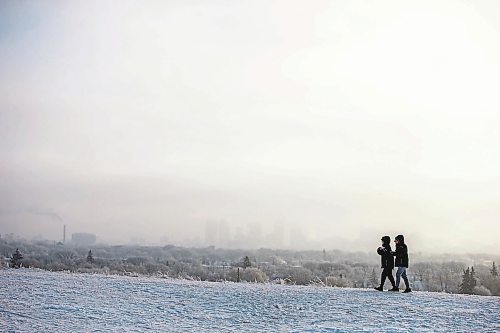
x=387, y=261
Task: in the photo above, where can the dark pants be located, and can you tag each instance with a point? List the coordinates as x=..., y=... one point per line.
x=387, y=273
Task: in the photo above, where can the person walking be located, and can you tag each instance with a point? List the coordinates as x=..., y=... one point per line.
x=387, y=261
x=402, y=262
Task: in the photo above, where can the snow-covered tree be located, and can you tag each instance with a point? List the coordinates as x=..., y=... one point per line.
x=90, y=257
x=473, y=281
x=494, y=270
x=16, y=259
x=246, y=262
x=468, y=281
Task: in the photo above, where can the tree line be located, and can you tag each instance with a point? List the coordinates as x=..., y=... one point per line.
x=322, y=268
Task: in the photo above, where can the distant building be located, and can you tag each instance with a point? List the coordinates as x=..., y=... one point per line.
x=83, y=239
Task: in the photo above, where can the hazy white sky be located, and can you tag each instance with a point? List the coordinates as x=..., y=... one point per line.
x=252, y=123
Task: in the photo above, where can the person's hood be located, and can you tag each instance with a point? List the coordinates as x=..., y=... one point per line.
x=401, y=239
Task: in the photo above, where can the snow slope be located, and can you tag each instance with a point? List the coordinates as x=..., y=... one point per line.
x=39, y=301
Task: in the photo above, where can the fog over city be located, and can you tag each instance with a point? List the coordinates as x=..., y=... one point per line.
x=248, y=124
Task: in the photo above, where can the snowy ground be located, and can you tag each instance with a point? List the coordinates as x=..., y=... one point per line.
x=39, y=301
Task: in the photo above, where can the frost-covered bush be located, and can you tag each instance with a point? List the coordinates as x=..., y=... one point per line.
x=481, y=290
x=137, y=261
x=335, y=281
x=152, y=268
x=252, y=274
x=179, y=269
x=198, y=271
x=57, y=266
x=300, y=275
x=31, y=262
x=492, y=283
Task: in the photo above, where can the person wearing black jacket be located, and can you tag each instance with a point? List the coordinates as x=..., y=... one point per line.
x=402, y=261
x=387, y=261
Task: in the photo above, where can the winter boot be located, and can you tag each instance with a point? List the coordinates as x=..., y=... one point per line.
x=407, y=290
x=379, y=288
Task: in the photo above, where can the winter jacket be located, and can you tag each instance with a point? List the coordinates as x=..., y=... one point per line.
x=386, y=258
x=401, y=255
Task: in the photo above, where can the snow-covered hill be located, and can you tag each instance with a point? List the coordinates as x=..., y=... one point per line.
x=39, y=301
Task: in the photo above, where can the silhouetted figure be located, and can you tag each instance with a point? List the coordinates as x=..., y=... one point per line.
x=402, y=261
x=387, y=261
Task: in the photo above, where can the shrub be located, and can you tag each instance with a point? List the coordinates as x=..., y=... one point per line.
x=481, y=290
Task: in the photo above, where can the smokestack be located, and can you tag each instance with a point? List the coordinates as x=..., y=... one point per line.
x=64, y=234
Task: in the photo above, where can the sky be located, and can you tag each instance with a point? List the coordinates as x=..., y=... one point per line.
x=280, y=124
